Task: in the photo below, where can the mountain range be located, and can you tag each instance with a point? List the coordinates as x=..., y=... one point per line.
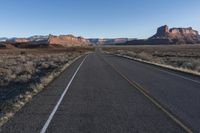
x=164, y=35
x=65, y=40
x=3, y=39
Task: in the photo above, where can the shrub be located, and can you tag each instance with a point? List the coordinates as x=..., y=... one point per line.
x=145, y=56
x=188, y=65
x=29, y=67
x=22, y=52
x=22, y=67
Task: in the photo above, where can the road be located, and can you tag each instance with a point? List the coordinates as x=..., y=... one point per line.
x=102, y=93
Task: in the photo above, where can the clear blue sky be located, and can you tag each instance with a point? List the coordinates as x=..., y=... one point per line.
x=95, y=18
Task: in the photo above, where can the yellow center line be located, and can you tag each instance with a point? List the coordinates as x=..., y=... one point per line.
x=153, y=100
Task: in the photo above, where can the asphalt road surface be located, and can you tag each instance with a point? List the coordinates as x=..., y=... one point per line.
x=102, y=93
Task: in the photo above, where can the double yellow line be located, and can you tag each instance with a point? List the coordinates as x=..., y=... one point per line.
x=146, y=94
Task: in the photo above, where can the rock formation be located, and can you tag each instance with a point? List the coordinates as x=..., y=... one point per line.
x=68, y=40
x=165, y=35
x=176, y=35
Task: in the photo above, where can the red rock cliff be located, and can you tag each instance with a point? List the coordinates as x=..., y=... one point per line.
x=68, y=40
x=177, y=35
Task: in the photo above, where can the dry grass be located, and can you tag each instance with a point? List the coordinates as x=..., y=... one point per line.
x=183, y=57
x=20, y=66
x=19, y=69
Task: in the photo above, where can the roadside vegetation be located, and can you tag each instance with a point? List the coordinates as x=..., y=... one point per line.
x=183, y=57
x=2, y=45
x=25, y=72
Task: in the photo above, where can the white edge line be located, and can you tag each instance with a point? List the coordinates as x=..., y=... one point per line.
x=177, y=75
x=60, y=100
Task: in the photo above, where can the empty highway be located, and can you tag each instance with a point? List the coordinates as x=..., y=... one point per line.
x=102, y=93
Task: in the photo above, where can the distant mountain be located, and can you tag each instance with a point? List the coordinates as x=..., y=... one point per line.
x=37, y=38
x=108, y=41
x=164, y=35
x=29, y=39
x=38, y=41
x=3, y=39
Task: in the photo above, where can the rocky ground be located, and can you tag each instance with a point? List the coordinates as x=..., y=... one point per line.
x=178, y=56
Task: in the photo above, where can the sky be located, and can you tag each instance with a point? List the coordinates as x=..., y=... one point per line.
x=95, y=18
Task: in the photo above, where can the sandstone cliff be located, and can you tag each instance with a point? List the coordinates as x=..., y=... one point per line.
x=164, y=35
x=68, y=40
x=176, y=35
